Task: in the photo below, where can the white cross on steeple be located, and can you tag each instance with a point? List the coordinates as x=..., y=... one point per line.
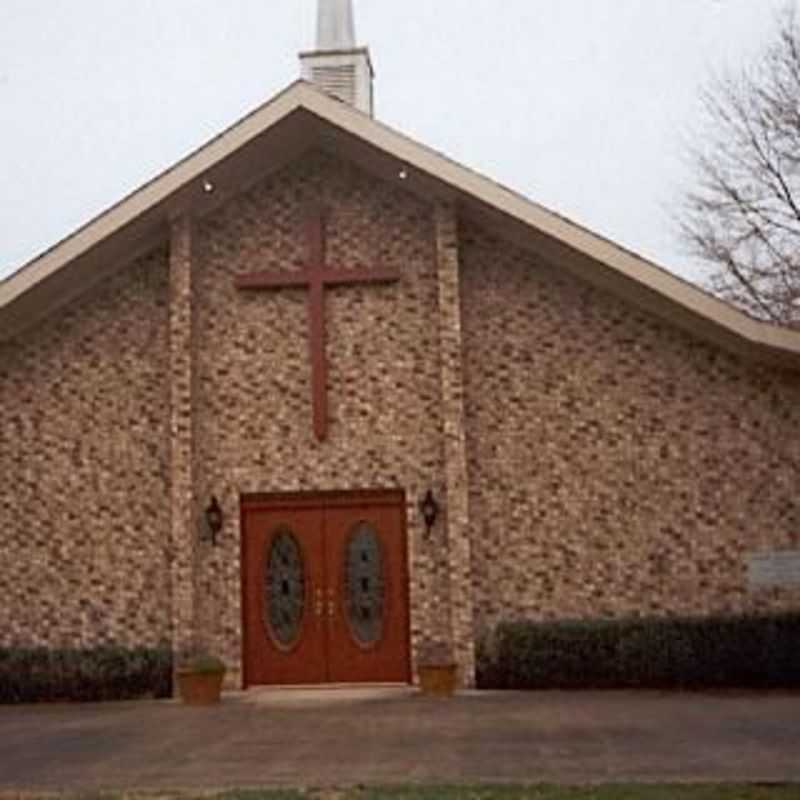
x=338, y=66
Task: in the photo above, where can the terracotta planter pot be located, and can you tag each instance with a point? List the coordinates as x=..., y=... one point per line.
x=438, y=680
x=200, y=688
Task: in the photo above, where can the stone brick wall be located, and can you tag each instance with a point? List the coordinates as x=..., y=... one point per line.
x=253, y=411
x=590, y=460
x=617, y=466
x=84, y=466
x=459, y=548
x=184, y=509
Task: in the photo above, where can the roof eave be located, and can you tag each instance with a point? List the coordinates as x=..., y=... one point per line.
x=596, y=259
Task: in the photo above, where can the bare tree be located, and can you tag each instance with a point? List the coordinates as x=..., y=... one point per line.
x=743, y=218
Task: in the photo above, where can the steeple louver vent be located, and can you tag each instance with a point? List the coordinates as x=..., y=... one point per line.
x=339, y=81
x=337, y=66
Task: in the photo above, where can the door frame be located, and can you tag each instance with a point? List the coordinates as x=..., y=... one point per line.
x=320, y=500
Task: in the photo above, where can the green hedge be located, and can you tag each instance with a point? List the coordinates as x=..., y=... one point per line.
x=37, y=675
x=732, y=652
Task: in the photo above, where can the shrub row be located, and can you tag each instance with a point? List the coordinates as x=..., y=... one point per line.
x=759, y=652
x=36, y=675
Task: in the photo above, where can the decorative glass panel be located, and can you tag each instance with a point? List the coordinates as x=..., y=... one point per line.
x=364, y=585
x=284, y=589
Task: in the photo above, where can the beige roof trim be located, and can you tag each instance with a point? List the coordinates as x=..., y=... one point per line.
x=149, y=195
x=301, y=95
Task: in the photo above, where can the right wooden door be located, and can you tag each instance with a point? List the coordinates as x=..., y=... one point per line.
x=367, y=590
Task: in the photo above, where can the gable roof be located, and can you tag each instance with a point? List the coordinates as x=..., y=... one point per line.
x=300, y=118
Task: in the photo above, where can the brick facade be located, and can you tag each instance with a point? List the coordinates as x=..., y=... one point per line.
x=459, y=544
x=589, y=459
x=84, y=469
x=617, y=466
x=184, y=510
x=253, y=412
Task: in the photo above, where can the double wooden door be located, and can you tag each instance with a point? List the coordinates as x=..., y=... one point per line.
x=325, y=589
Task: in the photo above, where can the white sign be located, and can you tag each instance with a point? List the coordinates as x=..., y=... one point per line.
x=776, y=569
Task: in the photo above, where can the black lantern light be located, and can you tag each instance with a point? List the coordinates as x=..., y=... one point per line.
x=430, y=511
x=214, y=520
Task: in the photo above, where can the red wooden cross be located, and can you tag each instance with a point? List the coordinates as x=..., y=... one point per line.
x=316, y=276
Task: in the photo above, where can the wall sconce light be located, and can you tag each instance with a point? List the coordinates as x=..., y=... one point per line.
x=214, y=521
x=429, y=509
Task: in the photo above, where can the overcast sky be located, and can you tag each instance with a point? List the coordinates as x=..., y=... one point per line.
x=580, y=104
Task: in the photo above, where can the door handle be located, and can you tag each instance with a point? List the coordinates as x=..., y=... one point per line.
x=319, y=603
x=331, y=604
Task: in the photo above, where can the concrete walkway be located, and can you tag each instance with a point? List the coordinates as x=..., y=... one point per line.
x=337, y=738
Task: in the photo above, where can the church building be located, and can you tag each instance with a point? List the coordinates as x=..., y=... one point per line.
x=318, y=397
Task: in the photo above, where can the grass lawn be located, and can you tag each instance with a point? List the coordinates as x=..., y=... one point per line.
x=657, y=792
x=598, y=793
x=661, y=792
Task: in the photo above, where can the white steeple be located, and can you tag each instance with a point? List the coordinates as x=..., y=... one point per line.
x=338, y=66
x=336, y=27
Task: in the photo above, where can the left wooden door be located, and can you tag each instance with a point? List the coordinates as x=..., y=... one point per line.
x=284, y=620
